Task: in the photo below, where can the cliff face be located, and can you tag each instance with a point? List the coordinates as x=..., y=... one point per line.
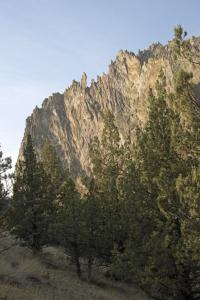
x=71, y=120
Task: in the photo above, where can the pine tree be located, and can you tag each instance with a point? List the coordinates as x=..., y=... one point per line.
x=184, y=48
x=32, y=205
x=5, y=182
x=187, y=184
x=168, y=161
x=70, y=224
x=160, y=166
x=5, y=166
x=159, y=162
x=94, y=227
x=56, y=176
x=137, y=223
x=188, y=257
x=52, y=165
x=106, y=156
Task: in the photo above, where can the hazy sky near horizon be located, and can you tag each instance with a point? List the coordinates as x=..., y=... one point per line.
x=45, y=44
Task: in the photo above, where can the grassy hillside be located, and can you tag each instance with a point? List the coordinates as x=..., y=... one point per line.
x=50, y=276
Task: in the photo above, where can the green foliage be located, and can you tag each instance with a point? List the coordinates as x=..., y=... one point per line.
x=70, y=223
x=106, y=156
x=159, y=162
x=167, y=154
x=141, y=211
x=5, y=176
x=32, y=205
x=94, y=229
x=187, y=185
x=184, y=48
x=52, y=165
x=5, y=183
x=56, y=180
x=161, y=189
x=152, y=196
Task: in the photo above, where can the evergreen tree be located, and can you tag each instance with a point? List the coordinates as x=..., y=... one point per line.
x=5, y=182
x=106, y=156
x=184, y=48
x=187, y=183
x=56, y=176
x=188, y=255
x=52, y=165
x=70, y=224
x=32, y=205
x=5, y=166
x=159, y=162
x=137, y=223
x=168, y=161
x=94, y=227
x=160, y=166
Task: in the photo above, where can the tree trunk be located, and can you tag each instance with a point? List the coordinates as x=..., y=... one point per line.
x=186, y=289
x=77, y=262
x=90, y=262
x=78, y=267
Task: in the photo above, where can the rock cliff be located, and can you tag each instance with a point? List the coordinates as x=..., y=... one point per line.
x=72, y=119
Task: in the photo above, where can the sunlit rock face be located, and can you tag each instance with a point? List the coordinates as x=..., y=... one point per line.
x=72, y=119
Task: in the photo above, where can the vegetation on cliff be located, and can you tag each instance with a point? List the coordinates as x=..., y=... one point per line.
x=140, y=213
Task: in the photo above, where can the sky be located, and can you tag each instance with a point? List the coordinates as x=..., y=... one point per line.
x=45, y=44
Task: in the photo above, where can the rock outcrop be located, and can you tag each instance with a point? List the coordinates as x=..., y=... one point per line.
x=72, y=119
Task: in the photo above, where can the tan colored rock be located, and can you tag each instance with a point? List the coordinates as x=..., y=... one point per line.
x=84, y=81
x=71, y=120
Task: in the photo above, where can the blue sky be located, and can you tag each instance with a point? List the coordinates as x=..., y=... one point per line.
x=45, y=44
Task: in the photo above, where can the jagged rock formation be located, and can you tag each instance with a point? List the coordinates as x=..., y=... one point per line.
x=72, y=119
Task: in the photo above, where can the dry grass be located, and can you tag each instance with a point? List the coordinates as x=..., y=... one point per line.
x=50, y=276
